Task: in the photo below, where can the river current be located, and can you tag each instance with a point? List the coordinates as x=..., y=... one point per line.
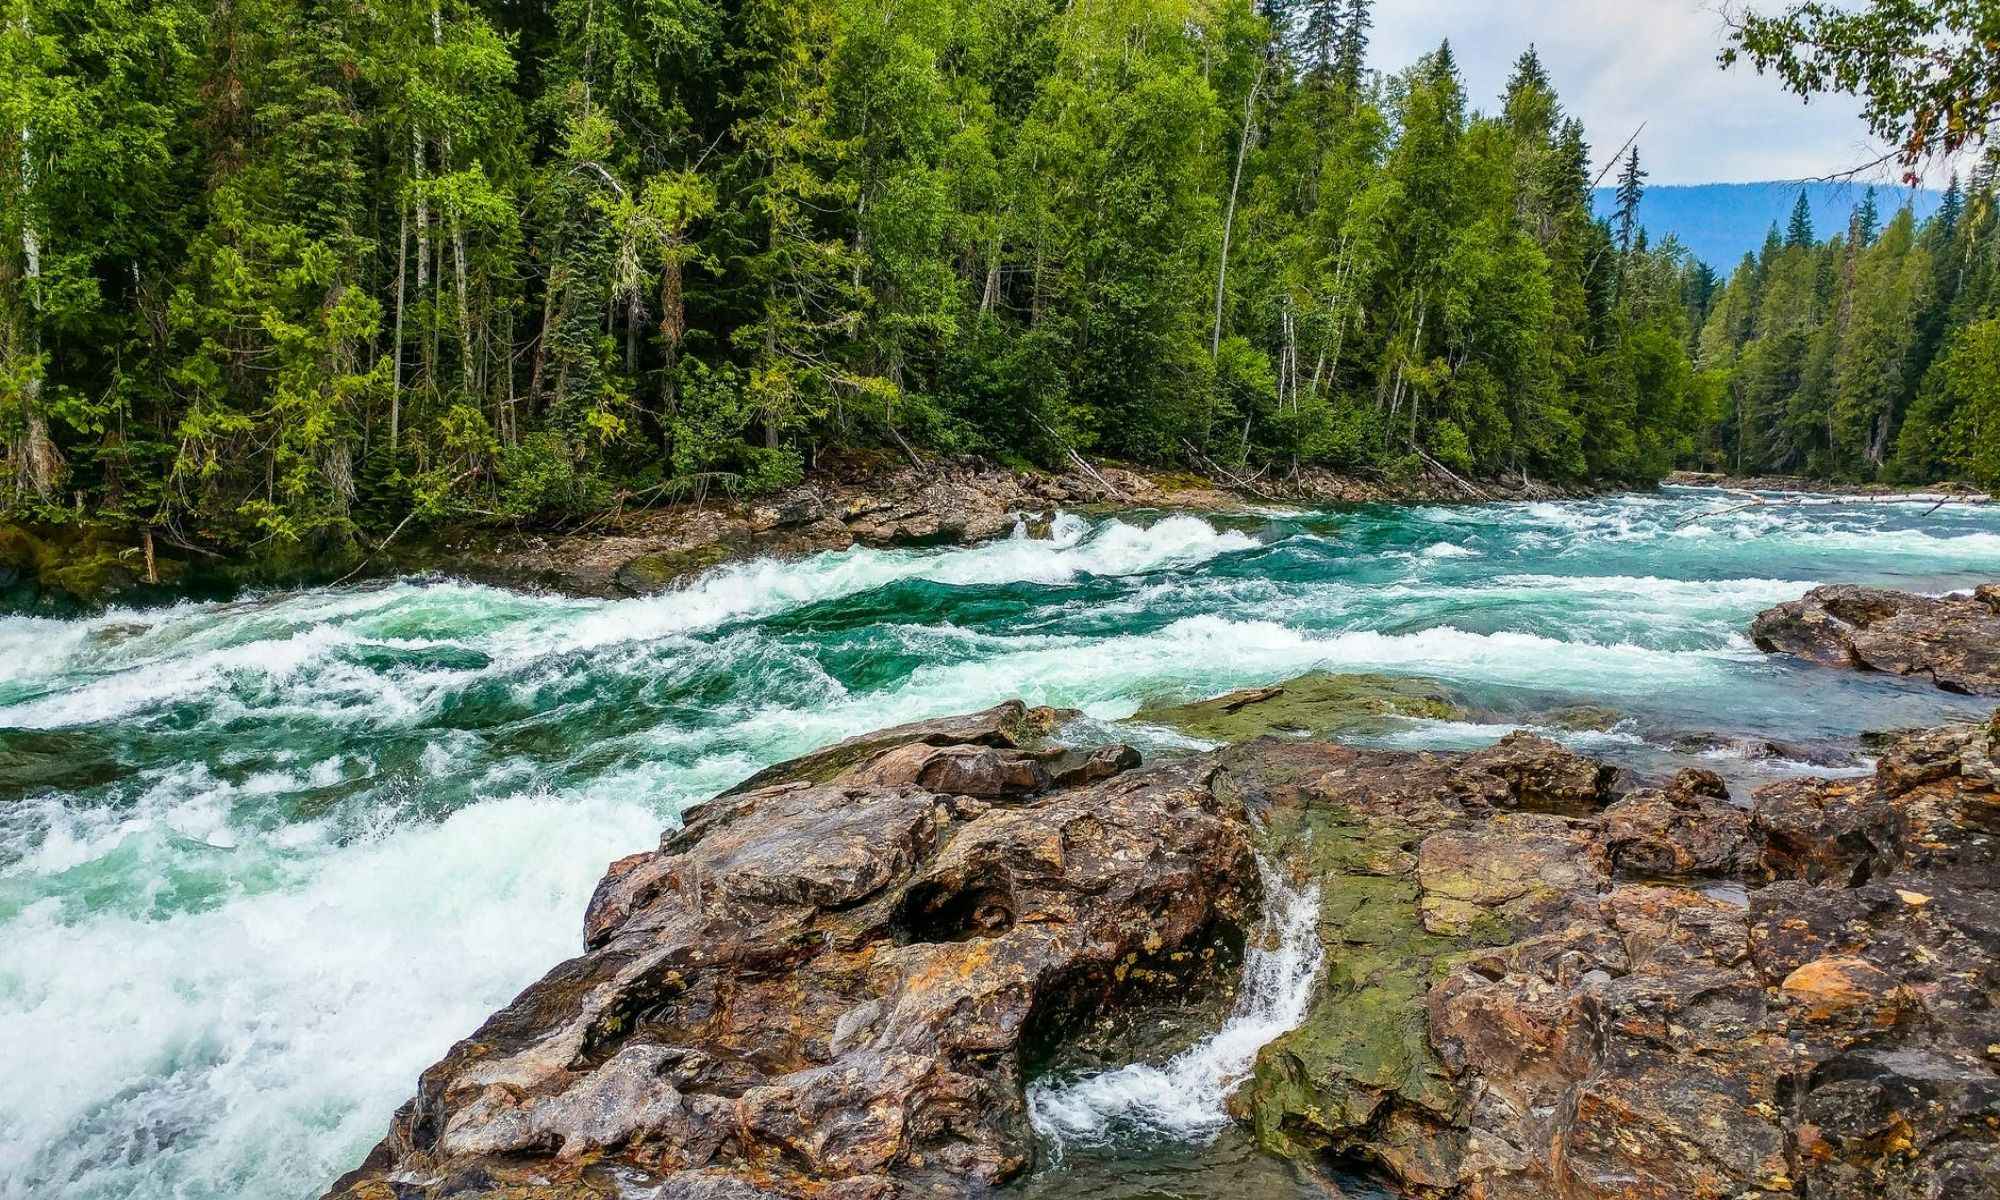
x=262, y=861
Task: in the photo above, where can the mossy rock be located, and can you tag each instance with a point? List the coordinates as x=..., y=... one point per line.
x=83, y=567
x=1362, y=1050
x=656, y=572
x=1318, y=704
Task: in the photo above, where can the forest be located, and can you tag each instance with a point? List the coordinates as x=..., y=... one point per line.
x=283, y=271
x=1873, y=355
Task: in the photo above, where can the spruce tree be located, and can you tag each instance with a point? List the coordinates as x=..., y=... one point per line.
x=1321, y=34
x=1799, y=233
x=1950, y=209
x=1350, y=52
x=1867, y=220
x=1631, y=190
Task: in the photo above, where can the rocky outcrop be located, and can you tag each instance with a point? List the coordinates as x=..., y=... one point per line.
x=1954, y=641
x=1528, y=1004
x=835, y=981
x=831, y=985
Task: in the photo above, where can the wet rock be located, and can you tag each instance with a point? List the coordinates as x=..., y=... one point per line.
x=1314, y=705
x=827, y=985
x=658, y=571
x=1687, y=830
x=1953, y=641
x=1009, y=726
x=1503, y=1018
x=1756, y=749
x=1543, y=777
x=835, y=983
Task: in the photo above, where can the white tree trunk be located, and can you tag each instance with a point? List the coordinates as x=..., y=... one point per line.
x=1229, y=214
x=41, y=462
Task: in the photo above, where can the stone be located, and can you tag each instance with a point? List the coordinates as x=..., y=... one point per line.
x=1688, y=830
x=1953, y=641
x=1503, y=1017
x=827, y=985
x=1313, y=705
x=838, y=983
x=1008, y=726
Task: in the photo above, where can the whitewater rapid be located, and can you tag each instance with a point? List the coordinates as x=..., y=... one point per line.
x=262, y=861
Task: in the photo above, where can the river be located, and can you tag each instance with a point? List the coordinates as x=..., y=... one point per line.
x=262, y=861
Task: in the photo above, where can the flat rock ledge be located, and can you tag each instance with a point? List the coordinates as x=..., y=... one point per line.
x=1953, y=640
x=836, y=981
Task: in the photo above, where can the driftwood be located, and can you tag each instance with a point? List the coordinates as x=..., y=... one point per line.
x=1448, y=473
x=1077, y=460
x=400, y=526
x=1230, y=477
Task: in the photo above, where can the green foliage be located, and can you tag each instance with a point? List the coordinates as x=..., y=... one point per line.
x=294, y=270
x=1854, y=358
x=1927, y=71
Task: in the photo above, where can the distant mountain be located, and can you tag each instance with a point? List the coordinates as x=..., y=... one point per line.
x=1721, y=222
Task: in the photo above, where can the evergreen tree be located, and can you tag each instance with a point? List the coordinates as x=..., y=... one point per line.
x=1799, y=232
x=1350, y=51
x=1631, y=190
x=1867, y=220
x=287, y=274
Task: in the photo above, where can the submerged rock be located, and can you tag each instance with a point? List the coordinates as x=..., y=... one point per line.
x=1314, y=705
x=1581, y=718
x=1954, y=640
x=1757, y=749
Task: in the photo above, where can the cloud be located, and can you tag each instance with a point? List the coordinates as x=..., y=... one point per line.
x=1617, y=63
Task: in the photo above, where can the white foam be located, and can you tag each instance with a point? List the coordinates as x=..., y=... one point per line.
x=256, y=1048
x=765, y=586
x=1449, y=550
x=1184, y=1097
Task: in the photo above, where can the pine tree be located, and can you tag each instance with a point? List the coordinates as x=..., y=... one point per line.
x=1867, y=220
x=1950, y=209
x=1631, y=190
x=1350, y=53
x=1799, y=233
x=1321, y=35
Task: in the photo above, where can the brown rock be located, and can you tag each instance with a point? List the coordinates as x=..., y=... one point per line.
x=1585, y=1039
x=825, y=989
x=1836, y=984
x=1955, y=641
x=1688, y=830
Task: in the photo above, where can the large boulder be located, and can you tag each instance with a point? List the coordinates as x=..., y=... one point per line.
x=832, y=984
x=1954, y=640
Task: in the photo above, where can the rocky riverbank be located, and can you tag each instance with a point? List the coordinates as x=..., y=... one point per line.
x=1824, y=487
x=855, y=500
x=837, y=979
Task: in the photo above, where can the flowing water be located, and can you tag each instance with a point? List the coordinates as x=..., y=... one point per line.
x=262, y=861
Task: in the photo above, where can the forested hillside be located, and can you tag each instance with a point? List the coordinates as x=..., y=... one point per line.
x=1874, y=354
x=279, y=270
x=1721, y=222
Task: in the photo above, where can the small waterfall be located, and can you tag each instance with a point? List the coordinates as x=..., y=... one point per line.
x=1184, y=1097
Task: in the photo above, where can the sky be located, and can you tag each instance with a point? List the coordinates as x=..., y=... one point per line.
x=1617, y=63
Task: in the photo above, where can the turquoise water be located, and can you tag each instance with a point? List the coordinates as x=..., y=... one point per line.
x=263, y=861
